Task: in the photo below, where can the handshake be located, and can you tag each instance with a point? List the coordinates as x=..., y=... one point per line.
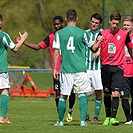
x=21, y=37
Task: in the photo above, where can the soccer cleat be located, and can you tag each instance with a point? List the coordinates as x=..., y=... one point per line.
x=59, y=123
x=83, y=123
x=107, y=121
x=5, y=121
x=87, y=118
x=95, y=119
x=113, y=122
x=56, y=123
x=69, y=117
x=129, y=122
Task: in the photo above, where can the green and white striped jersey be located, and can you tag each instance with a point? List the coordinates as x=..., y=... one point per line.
x=5, y=42
x=71, y=43
x=93, y=64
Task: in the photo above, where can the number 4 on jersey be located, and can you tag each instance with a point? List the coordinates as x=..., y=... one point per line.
x=70, y=44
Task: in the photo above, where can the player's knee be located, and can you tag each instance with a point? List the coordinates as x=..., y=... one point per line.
x=115, y=93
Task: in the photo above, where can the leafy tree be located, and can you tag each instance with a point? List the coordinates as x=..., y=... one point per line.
x=35, y=17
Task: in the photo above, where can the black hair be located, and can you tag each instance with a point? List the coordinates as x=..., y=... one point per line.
x=58, y=18
x=97, y=16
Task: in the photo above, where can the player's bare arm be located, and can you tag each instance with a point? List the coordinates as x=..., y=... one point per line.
x=30, y=45
x=56, y=56
x=96, y=45
x=23, y=37
x=95, y=55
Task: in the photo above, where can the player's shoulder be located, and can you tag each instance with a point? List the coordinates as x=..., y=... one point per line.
x=51, y=35
x=106, y=31
x=122, y=32
x=80, y=29
x=3, y=33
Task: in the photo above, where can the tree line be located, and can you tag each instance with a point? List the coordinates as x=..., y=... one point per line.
x=35, y=17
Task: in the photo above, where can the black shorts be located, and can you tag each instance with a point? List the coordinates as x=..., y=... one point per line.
x=126, y=88
x=56, y=84
x=112, y=78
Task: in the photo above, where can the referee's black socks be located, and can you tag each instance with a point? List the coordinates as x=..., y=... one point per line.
x=107, y=104
x=126, y=109
x=115, y=105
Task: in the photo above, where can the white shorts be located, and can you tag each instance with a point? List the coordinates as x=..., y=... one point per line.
x=79, y=82
x=95, y=80
x=4, y=81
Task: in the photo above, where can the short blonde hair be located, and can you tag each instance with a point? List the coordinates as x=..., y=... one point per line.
x=128, y=18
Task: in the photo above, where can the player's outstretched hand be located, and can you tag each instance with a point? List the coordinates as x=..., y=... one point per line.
x=23, y=36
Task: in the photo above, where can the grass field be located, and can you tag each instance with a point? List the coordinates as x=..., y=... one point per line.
x=38, y=115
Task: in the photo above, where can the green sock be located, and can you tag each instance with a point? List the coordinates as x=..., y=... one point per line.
x=4, y=104
x=98, y=104
x=82, y=106
x=87, y=99
x=61, y=108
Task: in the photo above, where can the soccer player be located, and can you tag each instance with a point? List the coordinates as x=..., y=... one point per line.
x=127, y=87
x=94, y=64
x=70, y=42
x=5, y=43
x=48, y=43
x=112, y=42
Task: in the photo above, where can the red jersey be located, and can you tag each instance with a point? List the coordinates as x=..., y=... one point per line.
x=112, y=48
x=128, y=65
x=48, y=42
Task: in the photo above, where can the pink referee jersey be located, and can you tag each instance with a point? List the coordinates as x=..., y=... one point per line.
x=48, y=42
x=128, y=66
x=112, y=48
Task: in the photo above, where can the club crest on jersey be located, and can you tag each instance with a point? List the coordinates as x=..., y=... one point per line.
x=111, y=48
x=118, y=37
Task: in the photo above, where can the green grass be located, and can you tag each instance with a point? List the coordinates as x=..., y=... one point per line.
x=38, y=115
